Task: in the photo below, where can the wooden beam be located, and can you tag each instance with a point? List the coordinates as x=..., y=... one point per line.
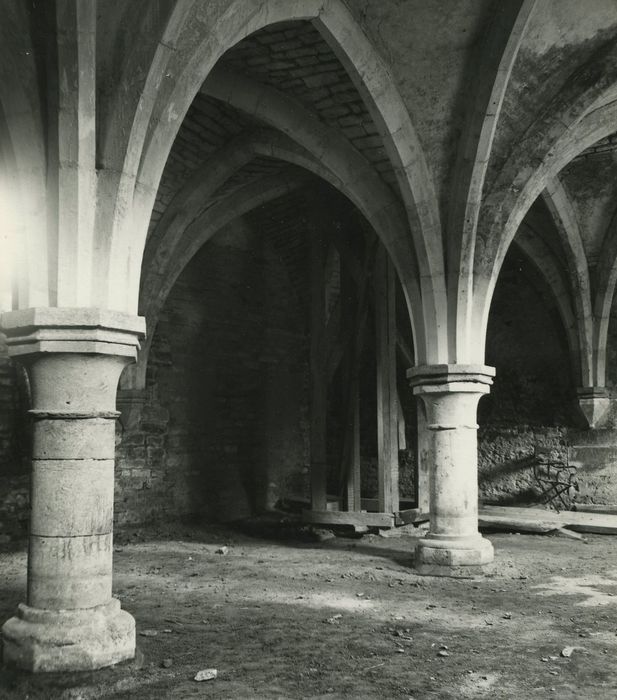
x=350, y=459
x=333, y=517
x=405, y=350
x=400, y=423
x=353, y=495
x=423, y=468
x=350, y=463
x=541, y=519
x=387, y=409
x=318, y=382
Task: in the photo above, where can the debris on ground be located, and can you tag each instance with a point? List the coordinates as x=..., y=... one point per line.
x=565, y=532
x=392, y=532
x=323, y=535
x=166, y=663
x=222, y=550
x=334, y=620
x=207, y=674
x=566, y=652
x=401, y=633
x=148, y=633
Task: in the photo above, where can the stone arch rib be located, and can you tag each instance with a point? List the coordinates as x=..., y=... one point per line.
x=560, y=207
x=503, y=40
x=576, y=123
x=188, y=68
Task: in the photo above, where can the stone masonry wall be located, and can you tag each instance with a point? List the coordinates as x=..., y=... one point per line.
x=222, y=431
x=14, y=469
x=531, y=405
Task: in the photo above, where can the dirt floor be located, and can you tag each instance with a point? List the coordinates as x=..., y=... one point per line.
x=347, y=618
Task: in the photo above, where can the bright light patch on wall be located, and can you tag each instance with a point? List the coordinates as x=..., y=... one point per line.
x=8, y=240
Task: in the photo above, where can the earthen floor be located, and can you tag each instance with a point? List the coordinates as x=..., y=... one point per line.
x=347, y=619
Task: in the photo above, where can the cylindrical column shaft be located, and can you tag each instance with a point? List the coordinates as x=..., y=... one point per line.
x=70, y=620
x=454, y=473
x=73, y=397
x=450, y=394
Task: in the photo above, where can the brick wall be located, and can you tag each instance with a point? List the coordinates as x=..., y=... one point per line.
x=294, y=58
x=222, y=428
x=531, y=404
x=14, y=469
x=222, y=431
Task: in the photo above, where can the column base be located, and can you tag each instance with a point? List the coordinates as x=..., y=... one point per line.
x=68, y=640
x=456, y=557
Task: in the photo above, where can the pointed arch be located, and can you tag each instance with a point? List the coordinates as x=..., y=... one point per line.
x=362, y=184
x=195, y=200
x=200, y=231
x=501, y=47
x=180, y=75
x=551, y=144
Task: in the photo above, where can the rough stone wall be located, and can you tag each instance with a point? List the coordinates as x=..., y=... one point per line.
x=14, y=466
x=531, y=405
x=223, y=430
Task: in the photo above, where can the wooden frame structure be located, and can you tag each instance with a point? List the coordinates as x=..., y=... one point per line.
x=374, y=276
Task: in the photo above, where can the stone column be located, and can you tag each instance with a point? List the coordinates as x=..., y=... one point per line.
x=74, y=358
x=453, y=545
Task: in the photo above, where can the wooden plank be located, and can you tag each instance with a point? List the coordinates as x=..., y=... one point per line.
x=512, y=523
x=318, y=385
x=356, y=519
x=387, y=409
x=372, y=504
x=528, y=518
x=609, y=509
x=599, y=523
x=542, y=514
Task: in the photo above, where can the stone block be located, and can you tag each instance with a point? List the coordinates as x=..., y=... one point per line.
x=74, y=439
x=68, y=640
x=69, y=572
x=72, y=497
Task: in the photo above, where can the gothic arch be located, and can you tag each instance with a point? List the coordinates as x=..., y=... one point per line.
x=176, y=74
x=507, y=204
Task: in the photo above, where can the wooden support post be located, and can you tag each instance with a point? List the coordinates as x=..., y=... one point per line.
x=422, y=460
x=387, y=403
x=350, y=460
x=319, y=387
x=356, y=331
x=353, y=495
x=402, y=433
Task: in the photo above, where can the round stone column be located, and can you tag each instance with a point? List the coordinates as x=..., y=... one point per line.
x=453, y=545
x=74, y=358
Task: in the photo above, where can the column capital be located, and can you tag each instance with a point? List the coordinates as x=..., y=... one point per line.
x=594, y=403
x=428, y=379
x=592, y=392
x=72, y=330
